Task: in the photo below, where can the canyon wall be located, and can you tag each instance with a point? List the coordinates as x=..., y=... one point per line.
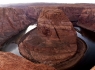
x=14, y=18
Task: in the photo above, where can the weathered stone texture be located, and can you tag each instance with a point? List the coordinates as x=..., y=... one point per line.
x=9, y=61
x=12, y=20
x=73, y=13
x=87, y=19
x=53, y=41
x=53, y=23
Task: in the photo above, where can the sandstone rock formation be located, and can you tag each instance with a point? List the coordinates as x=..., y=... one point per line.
x=73, y=13
x=9, y=61
x=12, y=20
x=32, y=12
x=87, y=19
x=54, y=28
x=53, y=42
x=15, y=18
x=52, y=23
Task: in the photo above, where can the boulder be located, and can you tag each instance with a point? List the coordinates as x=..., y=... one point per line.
x=87, y=19
x=9, y=61
x=53, y=42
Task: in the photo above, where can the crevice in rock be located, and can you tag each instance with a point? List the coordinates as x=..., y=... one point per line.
x=57, y=33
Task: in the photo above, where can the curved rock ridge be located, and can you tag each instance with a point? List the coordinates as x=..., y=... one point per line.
x=53, y=42
x=73, y=11
x=9, y=61
x=87, y=19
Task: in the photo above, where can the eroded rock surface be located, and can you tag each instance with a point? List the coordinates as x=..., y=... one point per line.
x=53, y=24
x=53, y=41
x=12, y=20
x=9, y=61
x=32, y=12
x=72, y=10
x=73, y=13
x=87, y=19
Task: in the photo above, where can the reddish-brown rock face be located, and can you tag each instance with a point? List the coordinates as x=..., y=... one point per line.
x=12, y=20
x=53, y=41
x=9, y=61
x=87, y=19
x=53, y=24
x=73, y=13
x=32, y=12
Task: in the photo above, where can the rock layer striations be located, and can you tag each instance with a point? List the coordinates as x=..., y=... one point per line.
x=12, y=20
x=9, y=61
x=15, y=18
x=53, y=42
x=87, y=19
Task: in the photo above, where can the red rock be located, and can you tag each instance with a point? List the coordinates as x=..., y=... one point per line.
x=32, y=12
x=12, y=21
x=15, y=18
x=53, y=22
x=73, y=13
x=87, y=19
x=53, y=42
x=9, y=61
